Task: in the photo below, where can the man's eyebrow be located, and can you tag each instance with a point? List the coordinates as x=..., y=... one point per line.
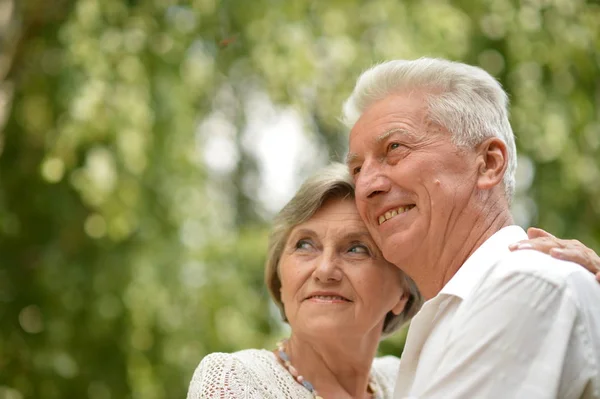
x=352, y=156
x=382, y=137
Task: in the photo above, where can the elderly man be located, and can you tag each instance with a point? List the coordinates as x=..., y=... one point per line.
x=433, y=158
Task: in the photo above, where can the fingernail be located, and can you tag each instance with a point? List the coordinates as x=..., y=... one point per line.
x=518, y=245
x=524, y=246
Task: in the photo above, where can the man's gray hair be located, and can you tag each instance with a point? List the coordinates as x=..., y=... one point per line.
x=464, y=99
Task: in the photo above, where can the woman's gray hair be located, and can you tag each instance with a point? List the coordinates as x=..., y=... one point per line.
x=331, y=182
x=464, y=99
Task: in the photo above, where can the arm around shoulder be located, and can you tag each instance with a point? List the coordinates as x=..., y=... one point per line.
x=509, y=338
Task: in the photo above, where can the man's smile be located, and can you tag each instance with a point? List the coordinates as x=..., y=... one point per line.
x=393, y=213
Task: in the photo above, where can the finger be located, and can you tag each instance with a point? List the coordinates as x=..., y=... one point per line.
x=598, y=277
x=543, y=244
x=520, y=245
x=535, y=232
x=576, y=256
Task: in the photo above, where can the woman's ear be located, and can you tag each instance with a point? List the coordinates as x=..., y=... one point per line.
x=492, y=162
x=401, y=304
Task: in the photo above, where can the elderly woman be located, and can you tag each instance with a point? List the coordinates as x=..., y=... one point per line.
x=338, y=294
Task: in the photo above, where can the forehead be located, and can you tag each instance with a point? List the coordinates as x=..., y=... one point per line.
x=403, y=111
x=340, y=213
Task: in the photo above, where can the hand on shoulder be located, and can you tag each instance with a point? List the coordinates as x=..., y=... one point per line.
x=569, y=250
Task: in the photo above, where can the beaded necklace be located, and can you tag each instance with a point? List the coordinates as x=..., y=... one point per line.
x=285, y=359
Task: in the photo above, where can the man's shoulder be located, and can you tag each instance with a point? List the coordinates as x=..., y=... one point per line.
x=529, y=266
x=543, y=266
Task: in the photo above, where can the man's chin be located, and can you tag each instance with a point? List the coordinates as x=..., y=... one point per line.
x=398, y=247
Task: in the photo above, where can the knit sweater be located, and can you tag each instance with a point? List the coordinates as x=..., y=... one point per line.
x=256, y=373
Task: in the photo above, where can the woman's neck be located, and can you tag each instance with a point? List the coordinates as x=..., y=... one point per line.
x=335, y=367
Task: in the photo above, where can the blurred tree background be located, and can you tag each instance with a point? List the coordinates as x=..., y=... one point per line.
x=142, y=154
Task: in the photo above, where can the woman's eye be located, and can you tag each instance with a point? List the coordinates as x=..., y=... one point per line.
x=303, y=244
x=359, y=249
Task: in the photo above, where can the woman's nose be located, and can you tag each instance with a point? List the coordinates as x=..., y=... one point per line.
x=327, y=268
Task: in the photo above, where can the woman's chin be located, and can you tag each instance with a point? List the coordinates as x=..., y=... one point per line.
x=326, y=328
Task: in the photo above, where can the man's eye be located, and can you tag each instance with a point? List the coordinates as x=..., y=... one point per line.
x=356, y=170
x=393, y=146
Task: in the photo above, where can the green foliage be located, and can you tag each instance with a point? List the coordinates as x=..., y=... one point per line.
x=125, y=257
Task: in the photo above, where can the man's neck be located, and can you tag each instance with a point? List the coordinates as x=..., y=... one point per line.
x=435, y=268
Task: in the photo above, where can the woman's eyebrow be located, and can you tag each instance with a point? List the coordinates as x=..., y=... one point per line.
x=302, y=232
x=357, y=235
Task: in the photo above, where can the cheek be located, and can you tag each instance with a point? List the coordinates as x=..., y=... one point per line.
x=457, y=167
x=375, y=235
x=391, y=279
x=446, y=191
x=380, y=282
x=285, y=287
x=361, y=206
x=291, y=281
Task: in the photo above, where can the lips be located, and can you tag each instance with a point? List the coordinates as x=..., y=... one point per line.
x=327, y=297
x=392, y=213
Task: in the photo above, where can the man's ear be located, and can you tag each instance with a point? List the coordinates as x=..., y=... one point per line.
x=492, y=161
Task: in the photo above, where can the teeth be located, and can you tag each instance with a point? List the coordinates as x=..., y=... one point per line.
x=329, y=298
x=390, y=214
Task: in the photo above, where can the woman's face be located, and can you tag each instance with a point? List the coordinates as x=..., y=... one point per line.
x=334, y=278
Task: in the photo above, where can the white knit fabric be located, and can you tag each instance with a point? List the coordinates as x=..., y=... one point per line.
x=256, y=373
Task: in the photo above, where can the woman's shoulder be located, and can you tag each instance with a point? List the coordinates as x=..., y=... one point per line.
x=246, y=357
x=385, y=372
x=386, y=363
x=253, y=372
x=235, y=365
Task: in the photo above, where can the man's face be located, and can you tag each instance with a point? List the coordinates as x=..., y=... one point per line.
x=412, y=182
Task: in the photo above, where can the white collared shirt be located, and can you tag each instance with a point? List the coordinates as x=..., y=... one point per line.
x=507, y=325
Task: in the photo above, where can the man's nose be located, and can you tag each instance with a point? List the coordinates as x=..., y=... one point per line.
x=327, y=268
x=371, y=182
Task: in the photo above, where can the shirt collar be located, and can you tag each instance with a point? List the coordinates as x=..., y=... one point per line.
x=480, y=261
